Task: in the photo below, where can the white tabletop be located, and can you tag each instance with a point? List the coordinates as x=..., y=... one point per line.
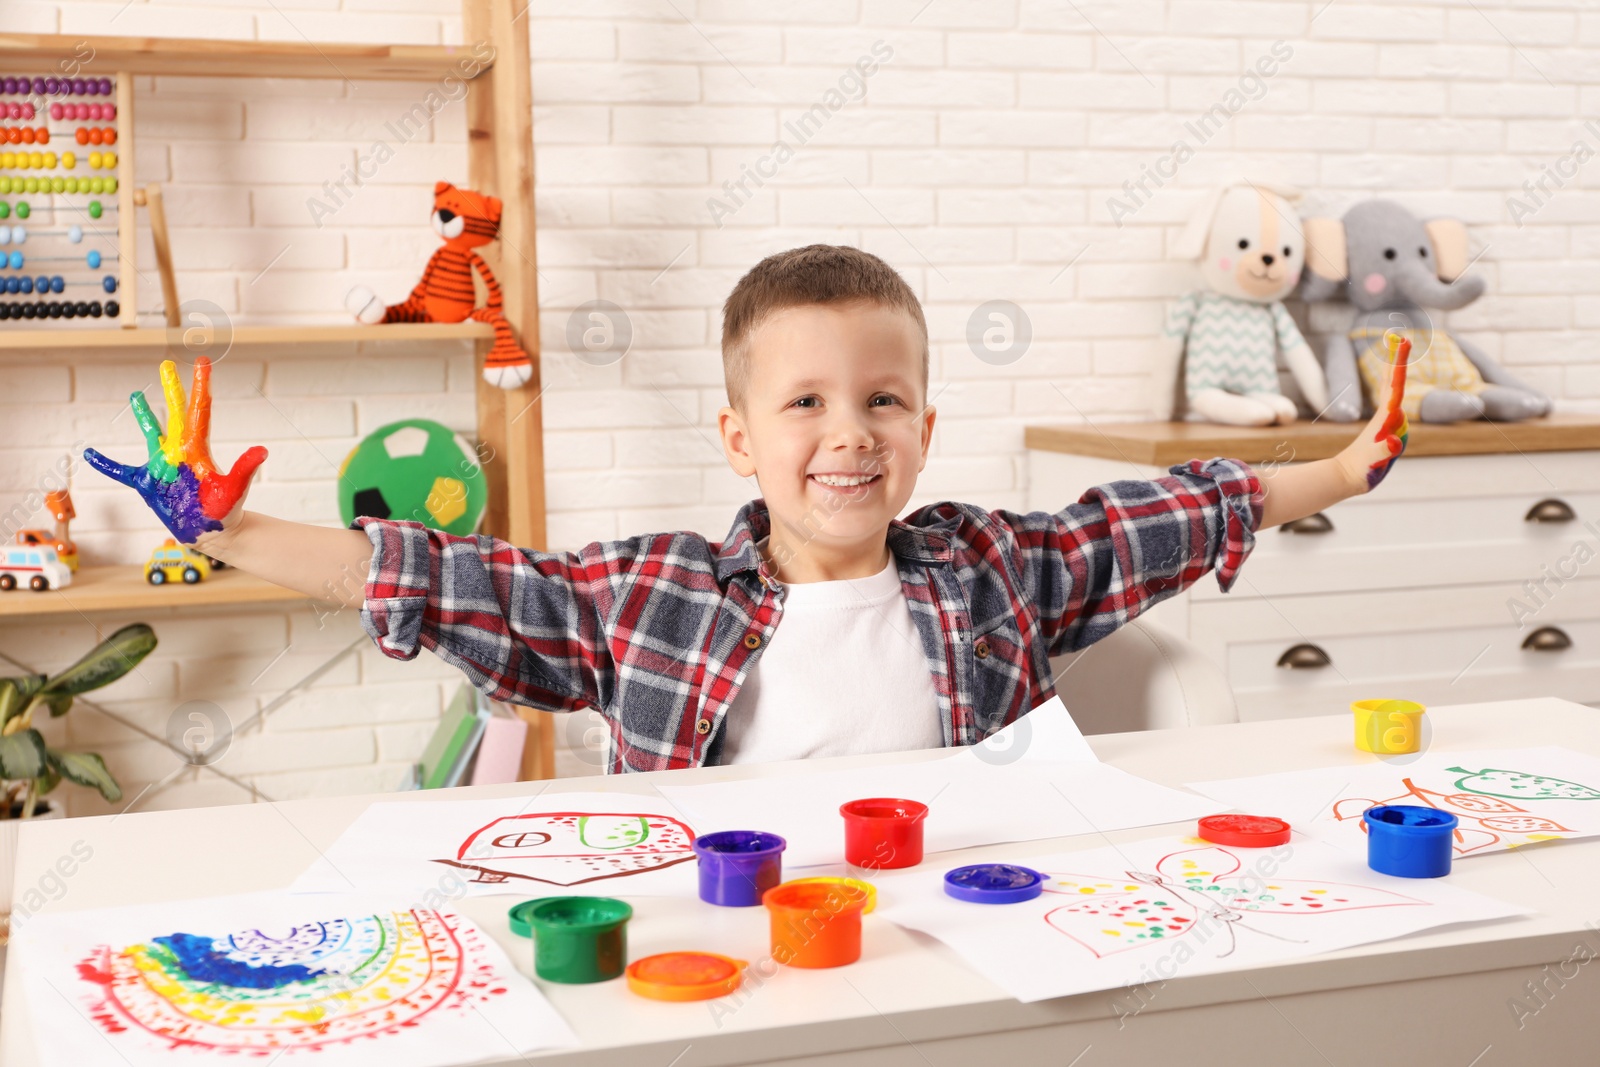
x=908, y=989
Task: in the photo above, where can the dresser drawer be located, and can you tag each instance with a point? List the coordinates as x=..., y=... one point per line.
x=1437, y=647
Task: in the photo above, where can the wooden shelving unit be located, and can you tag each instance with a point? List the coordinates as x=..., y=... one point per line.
x=123, y=588
x=494, y=63
x=1165, y=443
x=43, y=53
x=158, y=337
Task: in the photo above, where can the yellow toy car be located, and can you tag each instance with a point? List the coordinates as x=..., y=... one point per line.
x=173, y=561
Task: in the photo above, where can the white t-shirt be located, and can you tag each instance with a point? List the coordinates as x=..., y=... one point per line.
x=843, y=674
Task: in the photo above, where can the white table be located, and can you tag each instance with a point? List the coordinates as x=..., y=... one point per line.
x=1437, y=998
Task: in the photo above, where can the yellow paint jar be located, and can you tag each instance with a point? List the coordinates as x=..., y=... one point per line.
x=1388, y=727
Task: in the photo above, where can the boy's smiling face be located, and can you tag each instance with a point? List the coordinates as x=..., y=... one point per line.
x=835, y=428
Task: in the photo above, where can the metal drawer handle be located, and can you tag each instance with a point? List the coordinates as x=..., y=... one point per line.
x=1547, y=639
x=1304, y=657
x=1317, y=523
x=1551, y=510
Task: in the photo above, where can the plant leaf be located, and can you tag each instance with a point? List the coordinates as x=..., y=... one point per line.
x=59, y=704
x=14, y=694
x=49, y=780
x=86, y=768
x=23, y=755
x=105, y=663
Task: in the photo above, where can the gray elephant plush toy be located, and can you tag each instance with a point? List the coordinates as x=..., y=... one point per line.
x=1395, y=269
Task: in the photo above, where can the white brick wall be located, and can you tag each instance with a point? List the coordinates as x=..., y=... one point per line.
x=980, y=162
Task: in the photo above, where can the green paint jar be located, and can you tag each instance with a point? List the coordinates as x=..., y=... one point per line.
x=579, y=939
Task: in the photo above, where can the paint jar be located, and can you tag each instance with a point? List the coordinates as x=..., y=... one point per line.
x=815, y=924
x=1388, y=727
x=737, y=866
x=579, y=939
x=883, y=833
x=1410, y=840
x=681, y=976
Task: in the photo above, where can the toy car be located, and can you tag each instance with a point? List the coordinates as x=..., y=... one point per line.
x=173, y=561
x=37, y=565
x=66, y=551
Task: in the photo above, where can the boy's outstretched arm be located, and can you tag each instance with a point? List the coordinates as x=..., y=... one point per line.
x=204, y=506
x=1290, y=493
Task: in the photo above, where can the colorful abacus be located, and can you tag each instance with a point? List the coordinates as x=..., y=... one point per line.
x=60, y=209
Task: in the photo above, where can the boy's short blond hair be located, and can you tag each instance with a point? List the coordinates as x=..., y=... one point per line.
x=815, y=274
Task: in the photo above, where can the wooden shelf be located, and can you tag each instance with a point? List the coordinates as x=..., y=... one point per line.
x=98, y=589
x=1162, y=444
x=44, y=53
x=32, y=340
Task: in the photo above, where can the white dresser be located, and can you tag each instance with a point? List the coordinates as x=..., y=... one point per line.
x=1472, y=574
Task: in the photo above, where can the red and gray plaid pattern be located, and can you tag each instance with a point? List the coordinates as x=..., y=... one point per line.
x=658, y=632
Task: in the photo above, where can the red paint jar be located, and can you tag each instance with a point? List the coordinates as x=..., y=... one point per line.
x=883, y=833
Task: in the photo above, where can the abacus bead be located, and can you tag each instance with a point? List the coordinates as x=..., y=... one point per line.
x=80, y=87
x=108, y=283
x=25, y=285
x=28, y=111
x=55, y=309
x=69, y=160
x=96, y=136
x=38, y=85
x=43, y=135
x=97, y=185
x=19, y=234
x=111, y=135
x=29, y=135
x=5, y=235
x=51, y=85
x=112, y=308
x=94, y=259
x=49, y=161
x=58, y=185
x=111, y=185
x=94, y=160
x=58, y=284
x=95, y=208
x=94, y=309
x=42, y=283
x=5, y=210
x=30, y=185
x=106, y=86
x=23, y=211
x=82, y=136
x=15, y=260
x=69, y=310
x=8, y=84
x=108, y=111
x=55, y=111
x=36, y=160
x=108, y=160
x=75, y=233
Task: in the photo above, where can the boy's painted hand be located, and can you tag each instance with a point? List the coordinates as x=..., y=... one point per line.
x=180, y=481
x=1383, y=441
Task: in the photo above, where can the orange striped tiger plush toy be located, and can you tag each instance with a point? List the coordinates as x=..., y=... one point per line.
x=465, y=220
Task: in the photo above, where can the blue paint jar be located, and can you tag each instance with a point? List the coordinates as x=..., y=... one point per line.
x=1410, y=840
x=737, y=866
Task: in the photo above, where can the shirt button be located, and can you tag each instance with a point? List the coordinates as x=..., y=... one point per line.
x=703, y=727
x=752, y=641
x=981, y=649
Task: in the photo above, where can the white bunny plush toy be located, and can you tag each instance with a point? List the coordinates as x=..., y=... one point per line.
x=1226, y=337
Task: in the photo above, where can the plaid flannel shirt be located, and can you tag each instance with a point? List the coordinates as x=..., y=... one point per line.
x=658, y=632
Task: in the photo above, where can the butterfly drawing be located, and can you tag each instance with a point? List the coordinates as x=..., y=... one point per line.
x=1482, y=819
x=1194, y=895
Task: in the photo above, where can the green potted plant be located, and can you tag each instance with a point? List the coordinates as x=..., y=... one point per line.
x=28, y=767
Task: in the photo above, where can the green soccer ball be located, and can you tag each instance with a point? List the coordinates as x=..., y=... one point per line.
x=414, y=470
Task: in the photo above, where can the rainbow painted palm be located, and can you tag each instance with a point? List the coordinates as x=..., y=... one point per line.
x=180, y=481
x=1395, y=430
x=322, y=984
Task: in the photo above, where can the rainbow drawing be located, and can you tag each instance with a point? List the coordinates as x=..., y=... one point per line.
x=317, y=986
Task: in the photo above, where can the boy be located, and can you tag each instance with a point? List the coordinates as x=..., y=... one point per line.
x=936, y=630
